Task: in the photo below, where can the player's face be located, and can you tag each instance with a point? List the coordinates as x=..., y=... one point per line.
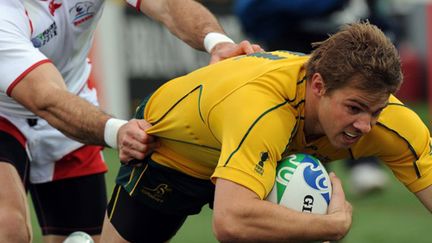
x=349, y=113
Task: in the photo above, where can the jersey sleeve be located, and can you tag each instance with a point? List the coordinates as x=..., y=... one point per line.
x=255, y=130
x=17, y=54
x=402, y=141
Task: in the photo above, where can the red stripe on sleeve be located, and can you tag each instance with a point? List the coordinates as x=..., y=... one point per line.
x=138, y=5
x=17, y=80
x=30, y=22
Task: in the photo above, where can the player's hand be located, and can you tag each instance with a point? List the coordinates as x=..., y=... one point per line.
x=226, y=50
x=133, y=142
x=339, y=208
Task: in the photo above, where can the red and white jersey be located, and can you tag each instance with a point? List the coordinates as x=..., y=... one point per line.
x=33, y=32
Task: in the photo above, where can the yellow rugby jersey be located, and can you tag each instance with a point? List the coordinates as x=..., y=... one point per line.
x=237, y=118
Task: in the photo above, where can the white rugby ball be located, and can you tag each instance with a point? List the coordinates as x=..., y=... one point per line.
x=79, y=237
x=302, y=184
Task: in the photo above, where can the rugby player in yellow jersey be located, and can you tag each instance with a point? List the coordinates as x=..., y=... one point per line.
x=219, y=123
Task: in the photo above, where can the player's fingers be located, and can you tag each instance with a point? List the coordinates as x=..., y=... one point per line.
x=348, y=207
x=224, y=50
x=143, y=124
x=337, y=187
x=125, y=158
x=145, y=139
x=127, y=154
x=339, y=206
x=139, y=146
x=338, y=201
x=142, y=135
x=246, y=47
x=257, y=48
x=131, y=147
x=146, y=148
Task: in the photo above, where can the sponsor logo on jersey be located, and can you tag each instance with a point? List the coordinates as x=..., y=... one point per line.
x=43, y=38
x=82, y=12
x=259, y=167
x=157, y=193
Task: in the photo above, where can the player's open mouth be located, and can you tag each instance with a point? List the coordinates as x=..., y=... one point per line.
x=350, y=137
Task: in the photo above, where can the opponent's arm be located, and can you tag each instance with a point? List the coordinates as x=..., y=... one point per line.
x=44, y=92
x=425, y=196
x=240, y=216
x=194, y=24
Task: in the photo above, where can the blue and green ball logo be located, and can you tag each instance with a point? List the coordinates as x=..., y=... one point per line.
x=313, y=174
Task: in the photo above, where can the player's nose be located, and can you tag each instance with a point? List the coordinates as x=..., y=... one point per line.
x=363, y=123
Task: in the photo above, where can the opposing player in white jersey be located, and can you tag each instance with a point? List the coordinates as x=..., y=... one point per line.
x=44, y=73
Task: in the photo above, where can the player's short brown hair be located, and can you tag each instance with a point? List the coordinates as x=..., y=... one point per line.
x=361, y=52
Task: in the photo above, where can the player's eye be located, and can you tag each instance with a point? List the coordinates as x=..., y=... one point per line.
x=353, y=109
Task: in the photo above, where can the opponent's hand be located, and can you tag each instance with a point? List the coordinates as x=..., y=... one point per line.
x=226, y=50
x=133, y=142
x=339, y=208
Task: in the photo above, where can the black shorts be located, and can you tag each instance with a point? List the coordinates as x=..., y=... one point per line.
x=13, y=152
x=62, y=206
x=68, y=205
x=150, y=203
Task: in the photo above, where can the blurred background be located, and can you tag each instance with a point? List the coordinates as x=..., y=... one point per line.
x=133, y=55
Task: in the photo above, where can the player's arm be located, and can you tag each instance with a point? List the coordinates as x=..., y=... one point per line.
x=194, y=24
x=240, y=215
x=44, y=92
x=425, y=196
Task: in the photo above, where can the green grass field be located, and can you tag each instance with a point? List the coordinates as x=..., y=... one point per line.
x=391, y=216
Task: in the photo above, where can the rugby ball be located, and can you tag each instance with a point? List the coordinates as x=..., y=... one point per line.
x=302, y=184
x=79, y=237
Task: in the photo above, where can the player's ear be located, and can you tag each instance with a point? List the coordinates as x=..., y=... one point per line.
x=317, y=84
